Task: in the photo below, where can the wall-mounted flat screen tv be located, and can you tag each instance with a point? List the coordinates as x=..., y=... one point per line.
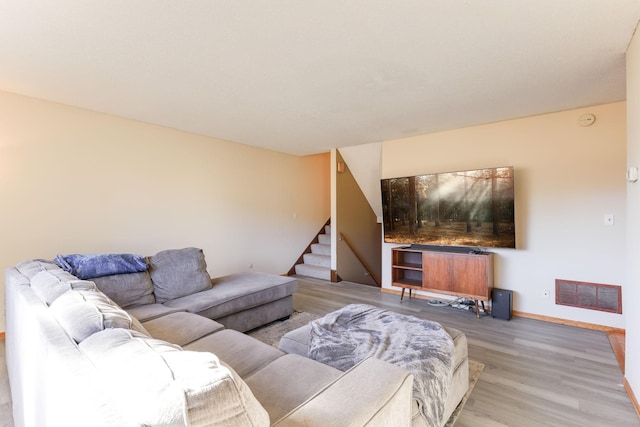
x=467, y=208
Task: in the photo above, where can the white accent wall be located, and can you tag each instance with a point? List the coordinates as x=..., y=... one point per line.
x=567, y=178
x=632, y=290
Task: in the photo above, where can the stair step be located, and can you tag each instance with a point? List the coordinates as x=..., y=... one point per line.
x=320, y=249
x=316, y=259
x=322, y=273
x=327, y=229
x=324, y=239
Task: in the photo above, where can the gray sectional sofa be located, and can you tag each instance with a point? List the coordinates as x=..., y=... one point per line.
x=160, y=347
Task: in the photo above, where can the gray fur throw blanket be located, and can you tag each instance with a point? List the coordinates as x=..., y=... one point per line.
x=345, y=337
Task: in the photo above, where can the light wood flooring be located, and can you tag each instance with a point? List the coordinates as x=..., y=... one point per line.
x=537, y=373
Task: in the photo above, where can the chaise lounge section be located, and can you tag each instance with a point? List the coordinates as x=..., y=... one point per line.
x=177, y=280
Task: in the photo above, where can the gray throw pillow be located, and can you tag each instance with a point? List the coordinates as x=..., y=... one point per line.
x=127, y=289
x=178, y=272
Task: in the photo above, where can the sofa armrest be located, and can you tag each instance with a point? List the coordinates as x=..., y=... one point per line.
x=372, y=393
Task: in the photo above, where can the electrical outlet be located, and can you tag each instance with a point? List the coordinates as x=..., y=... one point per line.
x=545, y=293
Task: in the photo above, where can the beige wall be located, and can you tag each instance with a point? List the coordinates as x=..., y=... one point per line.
x=632, y=341
x=567, y=178
x=358, y=222
x=75, y=181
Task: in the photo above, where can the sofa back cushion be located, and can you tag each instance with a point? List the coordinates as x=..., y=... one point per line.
x=84, y=312
x=50, y=284
x=127, y=289
x=31, y=267
x=178, y=272
x=156, y=383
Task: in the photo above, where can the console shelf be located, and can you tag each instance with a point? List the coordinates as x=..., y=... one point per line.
x=467, y=274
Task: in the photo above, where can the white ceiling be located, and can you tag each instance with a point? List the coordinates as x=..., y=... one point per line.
x=303, y=76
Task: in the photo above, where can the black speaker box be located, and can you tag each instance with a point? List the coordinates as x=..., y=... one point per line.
x=501, y=303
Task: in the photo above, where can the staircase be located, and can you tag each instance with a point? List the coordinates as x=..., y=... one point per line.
x=317, y=264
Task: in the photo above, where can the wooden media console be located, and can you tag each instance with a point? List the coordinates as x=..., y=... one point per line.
x=461, y=272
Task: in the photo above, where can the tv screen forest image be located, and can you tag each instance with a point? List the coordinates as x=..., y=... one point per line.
x=467, y=208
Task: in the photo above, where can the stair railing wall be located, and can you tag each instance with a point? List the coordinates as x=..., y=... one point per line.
x=361, y=259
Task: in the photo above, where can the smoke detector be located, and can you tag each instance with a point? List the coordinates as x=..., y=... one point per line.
x=586, y=119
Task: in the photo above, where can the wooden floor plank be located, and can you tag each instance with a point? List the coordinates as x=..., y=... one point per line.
x=537, y=373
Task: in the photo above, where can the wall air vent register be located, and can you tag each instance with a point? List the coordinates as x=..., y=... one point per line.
x=593, y=296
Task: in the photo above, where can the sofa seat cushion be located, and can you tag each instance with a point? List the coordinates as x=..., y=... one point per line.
x=156, y=383
x=82, y=313
x=241, y=352
x=50, y=284
x=151, y=311
x=296, y=341
x=372, y=393
x=289, y=381
x=236, y=292
x=127, y=289
x=178, y=272
x=181, y=328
